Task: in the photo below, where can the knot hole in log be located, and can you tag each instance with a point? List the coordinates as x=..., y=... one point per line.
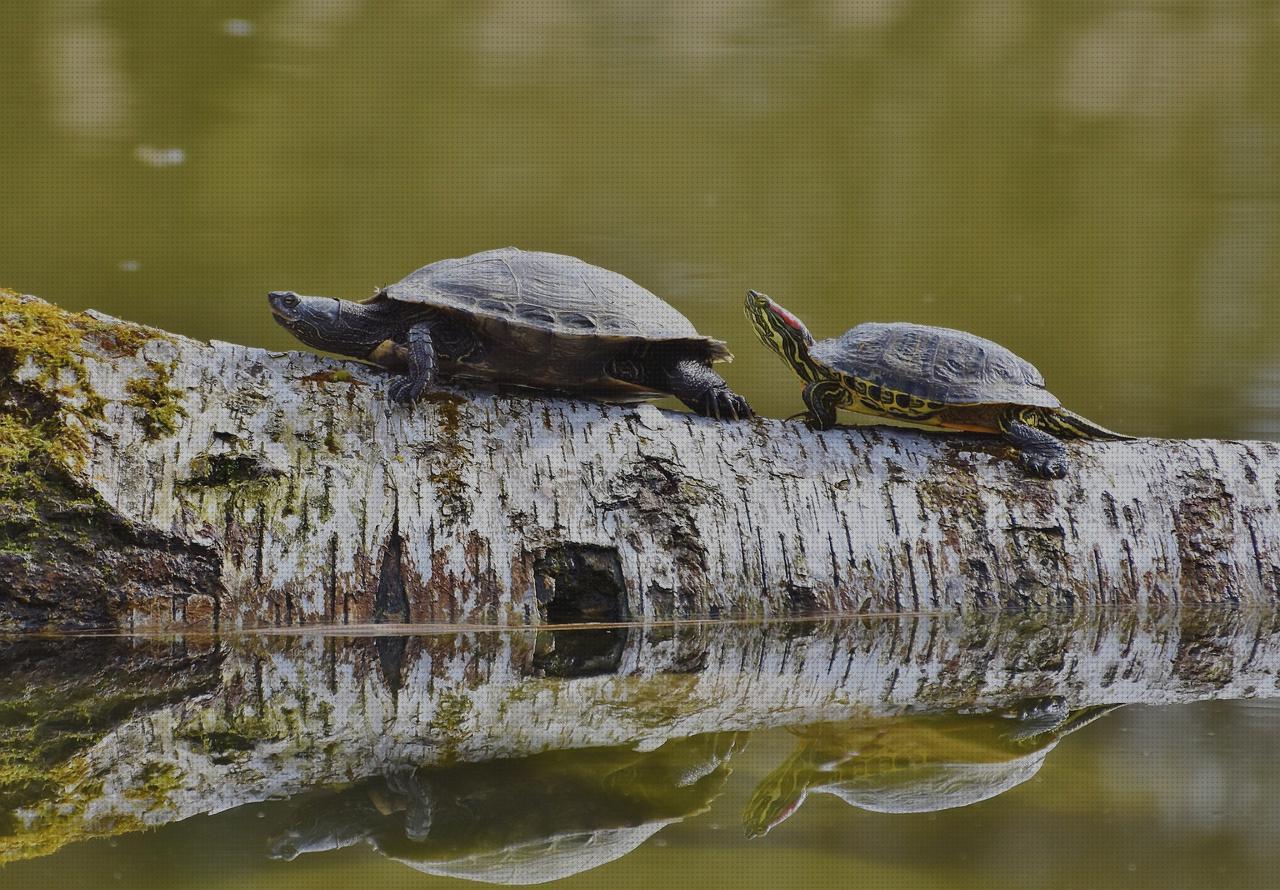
x=577, y=583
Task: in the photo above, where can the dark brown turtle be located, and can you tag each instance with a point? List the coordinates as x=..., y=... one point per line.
x=522, y=317
x=524, y=820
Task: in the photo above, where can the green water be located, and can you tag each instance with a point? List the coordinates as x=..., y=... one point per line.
x=1092, y=184
x=1109, y=751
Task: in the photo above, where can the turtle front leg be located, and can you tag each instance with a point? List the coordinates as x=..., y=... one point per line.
x=704, y=391
x=1038, y=452
x=822, y=397
x=422, y=366
x=419, y=811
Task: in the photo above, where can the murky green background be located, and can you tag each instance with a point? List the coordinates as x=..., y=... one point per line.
x=1096, y=185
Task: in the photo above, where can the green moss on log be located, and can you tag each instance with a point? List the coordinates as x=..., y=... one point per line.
x=66, y=559
x=157, y=400
x=45, y=418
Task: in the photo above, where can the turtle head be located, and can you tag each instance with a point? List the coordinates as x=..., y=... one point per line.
x=773, y=803
x=339, y=326
x=782, y=332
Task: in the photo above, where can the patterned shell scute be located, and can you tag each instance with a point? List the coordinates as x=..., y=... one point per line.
x=941, y=364
x=560, y=294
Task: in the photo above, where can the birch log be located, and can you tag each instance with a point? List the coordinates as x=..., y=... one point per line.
x=209, y=482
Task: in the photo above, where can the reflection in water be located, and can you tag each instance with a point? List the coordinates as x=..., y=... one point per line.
x=518, y=821
x=520, y=754
x=915, y=764
x=1091, y=183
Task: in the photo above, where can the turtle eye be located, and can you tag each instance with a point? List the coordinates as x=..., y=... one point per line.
x=286, y=298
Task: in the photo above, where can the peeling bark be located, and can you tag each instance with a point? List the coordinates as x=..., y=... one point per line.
x=285, y=489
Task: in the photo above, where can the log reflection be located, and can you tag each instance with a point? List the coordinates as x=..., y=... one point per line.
x=109, y=736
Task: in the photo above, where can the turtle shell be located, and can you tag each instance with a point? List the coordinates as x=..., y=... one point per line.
x=939, y=364
x=561, y=295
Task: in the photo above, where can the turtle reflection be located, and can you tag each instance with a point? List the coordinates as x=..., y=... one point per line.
x=915, y=764
x=519, y=821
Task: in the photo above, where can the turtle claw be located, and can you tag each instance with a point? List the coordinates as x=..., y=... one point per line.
x=1039, y=453
x=1046, y=466
x=725, y=404
x=406, y=390
x=736, y=405
x=815, y=422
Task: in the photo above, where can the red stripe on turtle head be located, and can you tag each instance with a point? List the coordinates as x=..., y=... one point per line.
x=786, y=317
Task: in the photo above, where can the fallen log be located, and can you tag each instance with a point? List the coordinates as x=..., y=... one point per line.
x=146, y=478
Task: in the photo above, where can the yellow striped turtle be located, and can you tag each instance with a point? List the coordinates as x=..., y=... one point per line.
x=917, y=763
x=926, y=375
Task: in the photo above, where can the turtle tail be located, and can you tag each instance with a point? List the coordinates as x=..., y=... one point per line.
x=1069, y=425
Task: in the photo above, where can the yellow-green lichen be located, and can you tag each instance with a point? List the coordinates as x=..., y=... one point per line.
x=655, y=703
x=449, y=724
x=35, y=333
x=340, y=375
x=227, y=739
x=47, y=409
x=154, y=785
x=157, y=400
x=449, y=458
x=54, y=829
x=32, y=453
x=35, y=430
x=54, y=342
x=235, y=471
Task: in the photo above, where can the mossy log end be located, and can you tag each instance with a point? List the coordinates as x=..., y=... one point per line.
x=146, y=478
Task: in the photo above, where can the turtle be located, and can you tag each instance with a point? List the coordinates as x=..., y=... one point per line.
x=926, y=375
x=915, y=763
x=528, y=318
x=520, y=820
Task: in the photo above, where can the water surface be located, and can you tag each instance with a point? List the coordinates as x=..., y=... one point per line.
x=1122, y=751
